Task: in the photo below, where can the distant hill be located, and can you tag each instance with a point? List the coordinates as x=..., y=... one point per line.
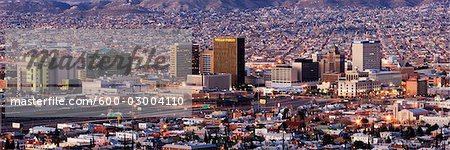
x=34, y=6
x=143, y=6
x=242, y=4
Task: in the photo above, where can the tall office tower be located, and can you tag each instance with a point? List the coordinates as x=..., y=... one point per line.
x=57, y=75
x=180, y=60
x=332, y=62
x=307, y=70
x=206, y=62
x=229, y=58
x=2, y=65
x=195, y=59
x=366, y=55
x=34, y=78
x=2, y=77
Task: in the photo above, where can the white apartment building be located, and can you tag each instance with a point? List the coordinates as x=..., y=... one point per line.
x=439, y=120
x=364, y=138
x=283, y=76
x=355, y=88
x=180, y=60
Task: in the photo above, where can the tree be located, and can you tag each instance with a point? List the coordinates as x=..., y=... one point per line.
x=327, y=139
x=364, y=120
x=410, y=132
x=419, y=131
x=285, y=113
x=360, y=145
x=283, y=126
x=301, y=114
x=56, y=137
x=383, y=128
x=138, y=145
x=432, y=128
x=388, y=140
x=206, y=139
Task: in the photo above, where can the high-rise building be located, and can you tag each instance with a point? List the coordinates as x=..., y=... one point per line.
x=2, y=65
x=46, y=76
x=2, y=77
x=195, y=59
x=332, y=62
x=206, y=62
x=180, y=60
x=57, y=75
x=307, y=70
x=229, y=58
x=366, y=55
x=36, y=77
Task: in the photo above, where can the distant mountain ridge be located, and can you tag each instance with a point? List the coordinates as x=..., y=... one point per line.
x=143, y=6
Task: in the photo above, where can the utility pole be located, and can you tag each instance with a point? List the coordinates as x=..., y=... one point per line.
x=132, y=141
x=283, y=142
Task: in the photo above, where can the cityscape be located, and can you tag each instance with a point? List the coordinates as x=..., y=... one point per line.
x=235, y=75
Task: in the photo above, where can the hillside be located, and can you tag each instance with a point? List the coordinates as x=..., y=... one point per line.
x=143, y=6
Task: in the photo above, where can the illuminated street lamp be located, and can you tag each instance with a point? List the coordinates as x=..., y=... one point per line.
x=358, y=122
x=388, y=118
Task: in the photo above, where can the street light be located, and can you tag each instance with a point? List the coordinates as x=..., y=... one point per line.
x=358, y=122
x=388, y=118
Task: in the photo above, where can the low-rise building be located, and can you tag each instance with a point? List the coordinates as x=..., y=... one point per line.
x=439, y=120
x=441, y=91
x=364, y=138
x=386, y=78
x=416, y=87
x=410, y=114
x=190, y=146
x=220, y=81
x=283, y=76
x=356, y=88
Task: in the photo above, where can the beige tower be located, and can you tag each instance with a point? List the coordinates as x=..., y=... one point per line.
x=366, y=55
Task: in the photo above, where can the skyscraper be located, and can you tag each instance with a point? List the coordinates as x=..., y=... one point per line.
x=2, y=77
x=332, y=62
x=180, y=60
x=195, y=59
x=206, y=62
x=229, y=56
x=307, y=70
x=366, y=55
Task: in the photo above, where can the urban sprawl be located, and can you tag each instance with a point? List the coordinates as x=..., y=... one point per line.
x=266, y=78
